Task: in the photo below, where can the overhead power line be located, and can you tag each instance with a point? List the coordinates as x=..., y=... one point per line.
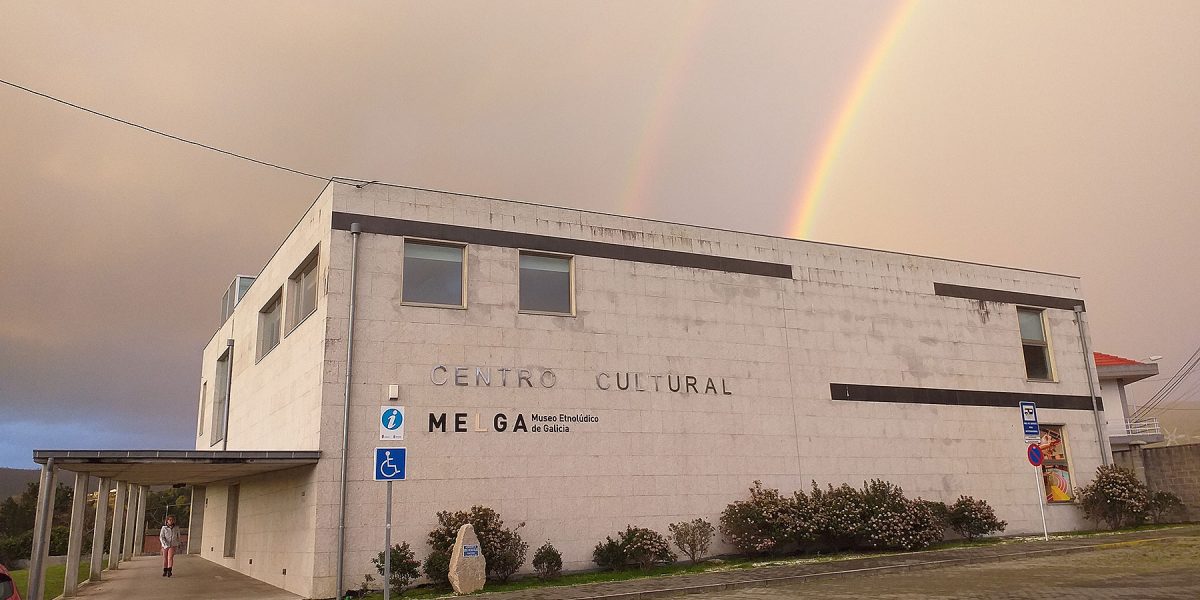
x=163, y=133
x=1167, y=389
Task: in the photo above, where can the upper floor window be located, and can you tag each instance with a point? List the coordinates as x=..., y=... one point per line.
x=220, y=411
x=434, y=274
x=1035, y=344
x=546, y=284
x=270, y=325
x=302, y=292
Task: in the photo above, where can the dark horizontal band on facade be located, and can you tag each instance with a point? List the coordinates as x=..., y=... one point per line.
x=911, y=395
x=545, y=243
x=1007, y=297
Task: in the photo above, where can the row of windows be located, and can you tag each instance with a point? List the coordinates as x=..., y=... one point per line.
x=301, y=290
x=435, y=275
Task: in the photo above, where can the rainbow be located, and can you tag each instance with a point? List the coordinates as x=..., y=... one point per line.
x=811, y=184
x=644, y=160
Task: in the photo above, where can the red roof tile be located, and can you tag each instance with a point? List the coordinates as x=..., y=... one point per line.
x=1111, y=360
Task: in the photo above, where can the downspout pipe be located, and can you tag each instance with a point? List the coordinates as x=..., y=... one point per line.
x=1089, y=368
x=355, y=232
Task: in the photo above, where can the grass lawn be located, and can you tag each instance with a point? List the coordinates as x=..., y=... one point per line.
x=729, y=564
x=55, y=575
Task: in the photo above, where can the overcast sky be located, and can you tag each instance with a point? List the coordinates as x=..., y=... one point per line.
x=1055, y=136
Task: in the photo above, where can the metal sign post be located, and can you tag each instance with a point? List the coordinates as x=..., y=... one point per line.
x=387, y=546
x=1034, y=453
x=390, y=465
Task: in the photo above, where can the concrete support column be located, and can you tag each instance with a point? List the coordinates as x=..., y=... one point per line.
x=118, y=526
x=196, y=519
x=130, y=519
x=139, y=529
x=43, y=521
x=75, y=539
x=100, y=528
x=1138, y=460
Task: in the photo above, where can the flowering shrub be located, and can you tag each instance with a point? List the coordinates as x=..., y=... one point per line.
x=502, y=548
x=692, y=537
x=638, y=545
x=837, y=517
x=1162, y=505
x=547, y=561
x=645, y=547
x=972, y=518
x=1115, y=496
x=760, y=524
x=895, y=522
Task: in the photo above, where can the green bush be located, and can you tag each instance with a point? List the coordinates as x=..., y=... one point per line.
x=547, y=561
x=1163, y=505
x=502, y=548
x=609, y=555
x=894, y=522
x=405, y=567
x=692, y=537
x=837, y=517
x=636, y=545
x=16, y=547
x=762, y=524
x=972, y=518
x=1115, y=497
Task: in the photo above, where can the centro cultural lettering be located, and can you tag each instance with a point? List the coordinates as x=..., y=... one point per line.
x=642, y=382
x=441, y=375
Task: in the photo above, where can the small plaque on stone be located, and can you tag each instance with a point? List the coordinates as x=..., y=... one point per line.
x=468, y=569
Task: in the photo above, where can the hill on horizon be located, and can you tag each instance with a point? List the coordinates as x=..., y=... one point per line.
x=13, y=481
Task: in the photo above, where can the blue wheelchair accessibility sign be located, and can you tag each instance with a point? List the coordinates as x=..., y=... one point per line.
x=389, y=464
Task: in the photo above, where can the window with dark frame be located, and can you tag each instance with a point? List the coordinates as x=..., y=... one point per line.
x=545, y=284
x=203, y=405
x=302, y=292
x=270, y=325
x=433, y=274
x=1035, y=344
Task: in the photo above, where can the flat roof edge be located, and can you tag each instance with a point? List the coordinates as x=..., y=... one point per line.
x=40, y=456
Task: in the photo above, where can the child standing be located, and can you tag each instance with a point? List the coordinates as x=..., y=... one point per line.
x=168, y=538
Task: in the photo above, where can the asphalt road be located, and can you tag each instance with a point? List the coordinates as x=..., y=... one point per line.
x=1152, y=569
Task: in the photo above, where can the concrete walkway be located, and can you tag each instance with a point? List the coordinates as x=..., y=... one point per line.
x=195, y=579
x=718, y=581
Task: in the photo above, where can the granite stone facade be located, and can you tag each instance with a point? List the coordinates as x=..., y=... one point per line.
x=696, y=362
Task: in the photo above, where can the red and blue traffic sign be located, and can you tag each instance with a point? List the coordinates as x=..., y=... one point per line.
x=1034, y=452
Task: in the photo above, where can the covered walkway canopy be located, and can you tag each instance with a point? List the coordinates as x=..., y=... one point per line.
x=132, y=472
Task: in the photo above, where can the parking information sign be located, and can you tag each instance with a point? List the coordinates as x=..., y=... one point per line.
x=389, y=464
x=391, y=423
x=1029, y=420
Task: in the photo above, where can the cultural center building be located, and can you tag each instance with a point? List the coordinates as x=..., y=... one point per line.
x=579, y=372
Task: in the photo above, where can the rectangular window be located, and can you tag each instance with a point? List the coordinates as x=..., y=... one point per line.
x=231, y=519
x=220, y=398
x=434, y=274
x=1055, y=468
x=270, y=325
x=1035, y=344
x=545, y=284
x=302, y=292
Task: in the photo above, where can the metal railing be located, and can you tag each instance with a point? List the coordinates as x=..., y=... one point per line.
x=1143, y=426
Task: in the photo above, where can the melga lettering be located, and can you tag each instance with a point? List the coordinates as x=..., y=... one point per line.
x=499, y=422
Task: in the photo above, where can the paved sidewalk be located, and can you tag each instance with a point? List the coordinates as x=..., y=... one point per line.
x=658, y=587
x=195, y=579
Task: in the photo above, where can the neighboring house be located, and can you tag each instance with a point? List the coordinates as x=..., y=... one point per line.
x=1124, y=428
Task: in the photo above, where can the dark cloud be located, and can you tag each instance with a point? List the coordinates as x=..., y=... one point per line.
x=1059, y=139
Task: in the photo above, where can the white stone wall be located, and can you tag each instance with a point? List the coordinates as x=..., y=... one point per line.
x=848, y=316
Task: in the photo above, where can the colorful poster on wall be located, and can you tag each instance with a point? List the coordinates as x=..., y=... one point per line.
x=1055, y=468
x=1058, y=483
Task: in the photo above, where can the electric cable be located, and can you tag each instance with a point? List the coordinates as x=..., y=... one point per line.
x=163, y=133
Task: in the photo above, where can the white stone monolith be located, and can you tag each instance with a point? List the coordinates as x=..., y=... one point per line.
x=468, y=569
